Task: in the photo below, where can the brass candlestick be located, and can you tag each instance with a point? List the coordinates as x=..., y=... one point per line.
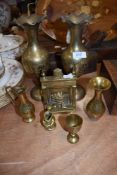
x=96, y=108
x=74, y=123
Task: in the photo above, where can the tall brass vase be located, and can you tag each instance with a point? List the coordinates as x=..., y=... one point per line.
x=76, y=58
x=35, y=58
x=96, y=107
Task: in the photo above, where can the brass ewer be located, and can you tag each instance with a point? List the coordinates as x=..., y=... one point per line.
x=74, y=123
x=35, y=57
x=96, y=107
x=23, y=106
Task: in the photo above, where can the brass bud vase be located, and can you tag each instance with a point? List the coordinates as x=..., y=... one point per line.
x=96, y=107
x=74, y=123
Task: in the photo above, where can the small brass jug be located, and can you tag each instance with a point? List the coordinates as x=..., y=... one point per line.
x=22, y=105
x=96, y=108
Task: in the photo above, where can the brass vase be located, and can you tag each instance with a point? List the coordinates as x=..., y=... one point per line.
x=76, y=58
x=35, y=57
x=96, y=107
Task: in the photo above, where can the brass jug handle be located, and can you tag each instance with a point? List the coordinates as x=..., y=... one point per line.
x=11, y=94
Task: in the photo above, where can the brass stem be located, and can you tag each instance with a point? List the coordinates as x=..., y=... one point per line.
x=98, y=94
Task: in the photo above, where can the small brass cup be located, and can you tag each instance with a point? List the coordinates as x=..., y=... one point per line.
x=74, y=123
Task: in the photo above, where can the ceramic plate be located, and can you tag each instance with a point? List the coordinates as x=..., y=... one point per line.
x=13, y=75
x=9, y=42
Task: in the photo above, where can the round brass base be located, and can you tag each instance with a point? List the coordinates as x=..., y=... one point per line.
x=52, y=127
x=72, y=138
x=28, y=120
x=80, y=92
x=36, y=93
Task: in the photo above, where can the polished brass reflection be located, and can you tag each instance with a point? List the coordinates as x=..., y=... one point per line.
x=22, y=105
x=49, y=120
x=74, y=123
x=96, y=107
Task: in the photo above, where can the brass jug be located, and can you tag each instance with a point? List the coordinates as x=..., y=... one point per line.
x=23, y=106
x=96, y=107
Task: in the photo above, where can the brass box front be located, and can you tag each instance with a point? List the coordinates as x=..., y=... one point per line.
x=59, y=93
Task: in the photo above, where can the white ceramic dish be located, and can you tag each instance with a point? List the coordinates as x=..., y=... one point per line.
x=13, y=75
x=11, y=46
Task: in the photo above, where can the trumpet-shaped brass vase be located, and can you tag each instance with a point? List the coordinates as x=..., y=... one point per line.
x=96, y=107
x=74, y=123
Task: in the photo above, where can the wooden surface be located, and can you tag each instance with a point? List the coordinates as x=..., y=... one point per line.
x=28, y=149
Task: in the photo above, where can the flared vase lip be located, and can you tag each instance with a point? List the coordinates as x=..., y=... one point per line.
x=100, y=83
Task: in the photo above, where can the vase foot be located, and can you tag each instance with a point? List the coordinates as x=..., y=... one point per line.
x=72, y=138
x=28, y=120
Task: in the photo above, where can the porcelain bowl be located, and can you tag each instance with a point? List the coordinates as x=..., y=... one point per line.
x=11, y=46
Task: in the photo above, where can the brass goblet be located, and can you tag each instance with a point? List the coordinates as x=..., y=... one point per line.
x=95, y=108
x=74, y=123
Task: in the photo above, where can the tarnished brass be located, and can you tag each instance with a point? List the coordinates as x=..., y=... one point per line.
x=35, y=57
x=22, y=105
x=74, y=123
x=96, y=108
x=49, y=120
x=59, y=92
